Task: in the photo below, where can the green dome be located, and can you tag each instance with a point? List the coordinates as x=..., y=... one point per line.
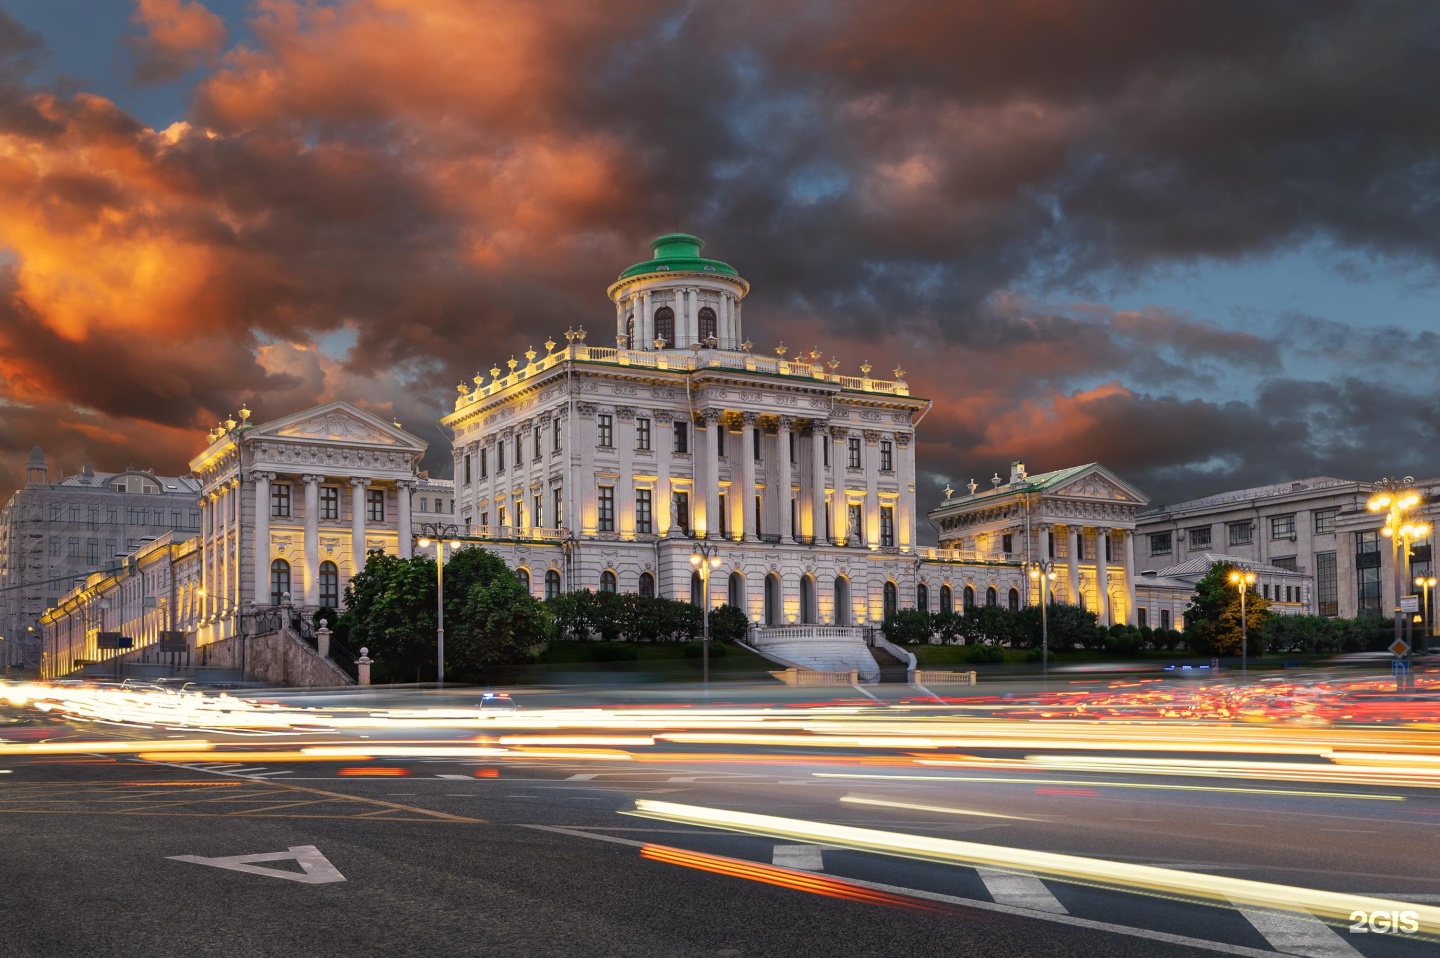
x=678, y=253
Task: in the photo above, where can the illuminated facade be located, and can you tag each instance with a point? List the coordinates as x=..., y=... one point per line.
x=597, y=467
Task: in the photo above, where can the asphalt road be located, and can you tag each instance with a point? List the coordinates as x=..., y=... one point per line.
x=443, y=857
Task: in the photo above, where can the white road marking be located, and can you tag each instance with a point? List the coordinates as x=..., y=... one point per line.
x=1299, y=934
x=805, y=858
x=681, y=778
x=317, y=868
x=272, y=774
x=1023, y=891
x=584, y=777
x=1219, y=947
x=247, y=771
x=463, y=778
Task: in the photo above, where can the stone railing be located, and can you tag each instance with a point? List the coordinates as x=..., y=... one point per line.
x=968, y=555
x=766, y=634
x=674, y=360
x=521, y=533
x=942, y=677
x=808, y=677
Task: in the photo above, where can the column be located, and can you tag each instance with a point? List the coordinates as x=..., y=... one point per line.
x=682, y=320
x=222, y=546
x=782, y=476
x=712, y=471
x=312, y=541
x=405, y=543
x=819, y=435
x=746, y=453
x=1072, y=542
x=905, y=507
x=1102, y=577
x=262, y=534
x=649, y=319
x=235, y=576
x=207, y=564
x=620, y=322
x=839, y=514
x=664, y=443
x=1130, y=613
x=357, y=523
x=625, y=493
x=871, y=532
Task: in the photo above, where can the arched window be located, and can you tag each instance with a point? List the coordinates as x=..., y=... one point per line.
x=665, y=325
x=992, y=598
x=772, y=600
x=552, y=584
x=279, y=581
x=696, y=588
x=922, y=597
x=647, y=584
x=947, y=599
x=1014, y=600
x=630, y=331
x=842, y=600
x=969, y=597
x=708, y=329
x=808, y=612
x=890, y=599
x=329, y=586
x=607, y=581
x=735, y=593
x=523, y=574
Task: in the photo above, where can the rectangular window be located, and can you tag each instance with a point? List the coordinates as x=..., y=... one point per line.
x=500, y=456
x=1284, y=562
x=643, y=518
x=539, y=517
x=757, y=443
x=887, y=527
x=724, y=517
x=520, y=512
x=1144, y=619
x=642, y=433
x=54, y=546
x=682, y=437
x=175, y=520
x=720, y=431
x=606, y=516
x=111, y=515
x=484, y=462
x=887, y=458
x=555, y=444
x=1325, y=520
x=112, y=546
x=93, y=518
x=759, y=515
x=467, y=467
x=519, y=451
x=823, y=438
x=92, y=550
x=1007, y=543
x=538, y=451
x=852, y=449
x=56, y=512
x=425, y=504
x=330, y=502
x=1159, y=543
x=502, y=516
x=606, y=429
x=280, y=500
x=1367, y=573
x=856, y=522
x=194, y=520
x=1164, y=618
x=1200, y=538
x=1282, y=527
x=484, y=519
x=1265, y=590
x=791, y=434
x=1080, y=549
x=375, y=505
x=555, y=495
x=1241, y=533
x=682, y=511
x=74, y=552
x=827, y=521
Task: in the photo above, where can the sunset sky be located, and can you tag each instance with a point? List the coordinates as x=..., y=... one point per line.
x=1197, y=242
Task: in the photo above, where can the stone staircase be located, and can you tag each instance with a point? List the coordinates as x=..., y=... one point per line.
x=817, y=648
x=892, y=669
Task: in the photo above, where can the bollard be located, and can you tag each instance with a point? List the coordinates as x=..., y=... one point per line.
x=322, y=639
x=363, y=665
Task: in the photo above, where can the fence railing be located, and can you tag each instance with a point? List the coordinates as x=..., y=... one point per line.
x=809, y=677
x=943, y=677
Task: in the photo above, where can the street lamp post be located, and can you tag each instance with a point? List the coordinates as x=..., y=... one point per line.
x=1395, y=497
x=1043, y=572
x=1243, y=581
x=1426, y=583
x=705, y=557
x=438, y=533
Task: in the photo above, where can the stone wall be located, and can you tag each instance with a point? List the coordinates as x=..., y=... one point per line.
x=279, y=658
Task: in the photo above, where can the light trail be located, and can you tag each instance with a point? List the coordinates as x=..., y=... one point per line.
x=1368, y=797
x=942, y=809
x=1144, y=879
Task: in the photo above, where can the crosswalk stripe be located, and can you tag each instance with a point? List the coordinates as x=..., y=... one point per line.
x=1022, y=891
x=806, y=858
x=1297, y=934
x=583, y=777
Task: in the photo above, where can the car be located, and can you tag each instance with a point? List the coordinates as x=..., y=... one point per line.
x=497, y=702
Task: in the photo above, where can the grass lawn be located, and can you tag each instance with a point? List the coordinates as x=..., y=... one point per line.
x=958, y=656
x=665, y=661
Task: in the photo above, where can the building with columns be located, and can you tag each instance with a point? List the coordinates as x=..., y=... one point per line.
x=1081, y=519
x=601, y=467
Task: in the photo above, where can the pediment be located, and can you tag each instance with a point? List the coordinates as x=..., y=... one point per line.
x=340, y=422
x=1099, y=484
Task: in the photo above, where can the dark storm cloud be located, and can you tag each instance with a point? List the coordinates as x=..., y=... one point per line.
x=453, y=182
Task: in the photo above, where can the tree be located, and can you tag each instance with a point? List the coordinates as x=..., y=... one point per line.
x=728, y=624
x=908, y=626
x=1212, y=620
x=500, y=624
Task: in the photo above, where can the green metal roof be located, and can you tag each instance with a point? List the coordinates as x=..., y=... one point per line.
x=1047, y=480
x=678, y=253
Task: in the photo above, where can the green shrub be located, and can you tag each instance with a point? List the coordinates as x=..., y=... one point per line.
x=728, y=624
x=985, y=653
x=907, y=626
x=613, y=652
x=696, y=650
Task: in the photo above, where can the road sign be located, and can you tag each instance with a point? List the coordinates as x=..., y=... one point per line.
x=113, y=640
x=317, y=868
x=1409, y=603
x=173, y=641
x=1399, y=647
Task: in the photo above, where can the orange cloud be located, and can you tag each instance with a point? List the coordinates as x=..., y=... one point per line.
x=179, y=35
